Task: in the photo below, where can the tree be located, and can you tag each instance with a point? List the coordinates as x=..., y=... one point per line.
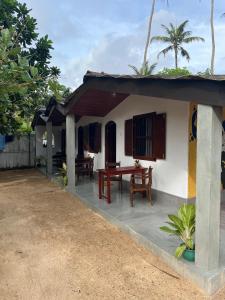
x=149, y=32
x=16, y=15
x=145, y=70
x=17, y=78
x=212, y=37
x=174, y=72
x=27, y=79
x=176, y=36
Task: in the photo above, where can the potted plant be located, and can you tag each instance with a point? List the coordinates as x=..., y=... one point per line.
x=183, y=226
x=137, y=163
x=63, y=174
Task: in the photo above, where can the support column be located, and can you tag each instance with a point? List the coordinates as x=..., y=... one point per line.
x=209, y=143
x=70, y=151
x=49, y=148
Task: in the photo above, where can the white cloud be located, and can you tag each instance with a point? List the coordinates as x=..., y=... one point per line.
x=104, y=39
x=114, y=52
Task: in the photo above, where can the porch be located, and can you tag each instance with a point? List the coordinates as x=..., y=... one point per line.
x=142, y=223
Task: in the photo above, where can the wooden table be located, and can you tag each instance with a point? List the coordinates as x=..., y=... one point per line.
x=112, y=172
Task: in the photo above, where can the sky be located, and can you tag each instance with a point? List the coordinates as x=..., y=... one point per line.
x=108, y=35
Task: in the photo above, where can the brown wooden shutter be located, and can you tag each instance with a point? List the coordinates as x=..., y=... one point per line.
x=159, y=136
x=129, y=137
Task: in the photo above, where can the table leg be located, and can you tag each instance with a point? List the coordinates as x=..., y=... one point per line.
x=100, y=185
x=108, y=189
x=143, y=182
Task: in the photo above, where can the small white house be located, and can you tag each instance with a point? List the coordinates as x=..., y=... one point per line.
x=157, y=121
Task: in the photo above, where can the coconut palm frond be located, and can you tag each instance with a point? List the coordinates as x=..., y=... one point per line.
x=184, y=53
x=160, y=38
x=182, y=26
x=176, y=36
x=145, y=69
x=135, y=69
x=165, y=51
x=151, y=68
x=193, y=39
x=168, y=30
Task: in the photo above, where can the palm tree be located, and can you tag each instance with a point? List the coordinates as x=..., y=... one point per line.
x=176, y=36
x=212, y=37
x=150, y=29
x=149, y=32
x=145, y=70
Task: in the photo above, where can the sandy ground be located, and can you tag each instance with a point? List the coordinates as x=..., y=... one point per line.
x=54, y=247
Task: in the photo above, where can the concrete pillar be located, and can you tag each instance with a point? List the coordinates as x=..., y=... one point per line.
x=209, y=143
x=70, y=151
x=49, y=148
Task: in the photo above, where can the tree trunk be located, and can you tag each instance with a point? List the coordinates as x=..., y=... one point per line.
x=176, y=58
x=213, y=37
x=149, y=32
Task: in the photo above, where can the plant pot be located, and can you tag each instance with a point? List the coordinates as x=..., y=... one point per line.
x=189, y=255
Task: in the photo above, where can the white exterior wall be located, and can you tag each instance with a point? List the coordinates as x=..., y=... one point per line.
x=40, y=150
x=39, y=131
x=169, y=175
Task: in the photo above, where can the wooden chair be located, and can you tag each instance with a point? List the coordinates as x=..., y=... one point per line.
x=117, y=178
x=144, y=187
x=84, y=167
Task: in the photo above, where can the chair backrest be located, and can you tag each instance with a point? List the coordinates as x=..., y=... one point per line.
x=146, y=177
x=112, y=164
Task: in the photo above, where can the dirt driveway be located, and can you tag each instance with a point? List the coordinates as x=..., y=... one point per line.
x=53, y=247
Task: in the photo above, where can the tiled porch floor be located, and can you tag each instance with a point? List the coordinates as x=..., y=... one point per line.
x=142, y=219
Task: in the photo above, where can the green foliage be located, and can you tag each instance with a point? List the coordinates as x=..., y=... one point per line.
x=145, y=69
x=176, y=36
x=58, y=90
x=174, y=72
x=25, y=128
x=16, y=79
x=63, y=174
x=183, y=226
x=27, y=80
x=16, y=15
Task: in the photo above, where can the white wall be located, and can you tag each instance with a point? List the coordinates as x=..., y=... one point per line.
x=40, y=150
x=40, y=130
x=169, y=175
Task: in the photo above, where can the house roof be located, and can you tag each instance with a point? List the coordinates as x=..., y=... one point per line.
x=91, y=74
x=52, y=112
x=101, y=92
x=39, y=118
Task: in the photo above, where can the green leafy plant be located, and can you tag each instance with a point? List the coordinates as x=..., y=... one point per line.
x=183, y=226
x=145, y=69
x=174, y=72
x=63, y=174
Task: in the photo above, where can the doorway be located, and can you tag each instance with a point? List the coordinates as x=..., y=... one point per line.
x=80, y=143
x=110, y=142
